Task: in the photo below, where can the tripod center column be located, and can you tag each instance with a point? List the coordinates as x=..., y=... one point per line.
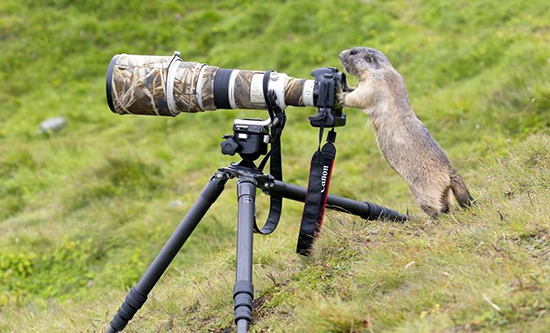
x=243, y=292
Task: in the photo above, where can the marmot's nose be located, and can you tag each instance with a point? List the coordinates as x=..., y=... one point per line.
x=343, y=53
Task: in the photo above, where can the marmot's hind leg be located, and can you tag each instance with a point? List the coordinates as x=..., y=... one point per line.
x=434, y=207
x=431, y=210
x=446, y=200
x=430, y=204
x=460, y=190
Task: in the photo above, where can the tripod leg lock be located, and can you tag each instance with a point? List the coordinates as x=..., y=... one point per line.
x=379, y=212
x=243, y=293
x=133, y=302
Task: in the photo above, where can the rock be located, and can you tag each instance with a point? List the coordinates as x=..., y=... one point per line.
x=52, y=125
x=175, y=203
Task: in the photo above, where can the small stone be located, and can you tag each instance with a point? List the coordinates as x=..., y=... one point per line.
x=175, y=203
x=52, y=125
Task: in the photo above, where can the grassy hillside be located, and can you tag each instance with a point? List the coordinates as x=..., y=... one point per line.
x=83, y=211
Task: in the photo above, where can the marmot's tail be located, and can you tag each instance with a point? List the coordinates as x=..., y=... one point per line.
x=460, y=190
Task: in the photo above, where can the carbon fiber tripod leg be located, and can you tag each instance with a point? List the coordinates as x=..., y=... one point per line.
x=138, y=295
x=366, y=210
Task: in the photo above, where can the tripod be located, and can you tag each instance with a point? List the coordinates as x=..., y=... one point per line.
x=250, y=142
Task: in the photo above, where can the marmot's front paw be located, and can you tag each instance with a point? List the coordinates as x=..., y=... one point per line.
x=348, y=88
x=340, y=99
x=341, y=93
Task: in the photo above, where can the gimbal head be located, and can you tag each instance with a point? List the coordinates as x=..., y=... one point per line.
x=250, y=138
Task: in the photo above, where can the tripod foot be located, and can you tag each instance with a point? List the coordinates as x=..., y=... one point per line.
x=243, y=293
x=133, y=302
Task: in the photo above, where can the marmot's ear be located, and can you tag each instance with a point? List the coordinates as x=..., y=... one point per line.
x=369, y=57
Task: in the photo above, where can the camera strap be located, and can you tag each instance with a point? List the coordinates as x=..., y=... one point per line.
x=278, y=118
x=320, y=172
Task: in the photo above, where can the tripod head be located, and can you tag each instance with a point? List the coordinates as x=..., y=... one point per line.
x=250, y=139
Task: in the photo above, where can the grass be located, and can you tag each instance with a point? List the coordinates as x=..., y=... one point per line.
x=84, y=210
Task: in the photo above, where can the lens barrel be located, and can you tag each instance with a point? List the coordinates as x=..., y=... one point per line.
x=167, y=86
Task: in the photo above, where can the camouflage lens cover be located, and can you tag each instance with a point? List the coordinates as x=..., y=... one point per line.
x=138, y=85
x=167, y=86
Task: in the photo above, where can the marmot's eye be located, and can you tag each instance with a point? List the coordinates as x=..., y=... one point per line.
x=353, y=52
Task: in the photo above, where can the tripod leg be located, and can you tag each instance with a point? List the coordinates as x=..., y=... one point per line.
x=365, y=210
x=243, y=292
x=138, y=295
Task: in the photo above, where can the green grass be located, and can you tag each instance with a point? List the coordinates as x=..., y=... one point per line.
x=83, y=211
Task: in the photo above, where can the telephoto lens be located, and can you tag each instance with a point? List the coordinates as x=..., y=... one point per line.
x=167, y=86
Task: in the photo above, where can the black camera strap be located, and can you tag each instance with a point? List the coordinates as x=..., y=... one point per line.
x=278, y=118
x=320, y=172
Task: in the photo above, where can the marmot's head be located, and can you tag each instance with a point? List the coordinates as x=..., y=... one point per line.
x=359, y=61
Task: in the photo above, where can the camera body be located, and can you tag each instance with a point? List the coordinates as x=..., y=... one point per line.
x=328, y=83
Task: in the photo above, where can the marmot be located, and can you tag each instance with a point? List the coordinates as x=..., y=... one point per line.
x=403, y=139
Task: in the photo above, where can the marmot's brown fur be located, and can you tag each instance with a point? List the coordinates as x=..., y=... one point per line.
x=403, y=139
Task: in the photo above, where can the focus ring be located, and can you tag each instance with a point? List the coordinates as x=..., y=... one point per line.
x=221, y=88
